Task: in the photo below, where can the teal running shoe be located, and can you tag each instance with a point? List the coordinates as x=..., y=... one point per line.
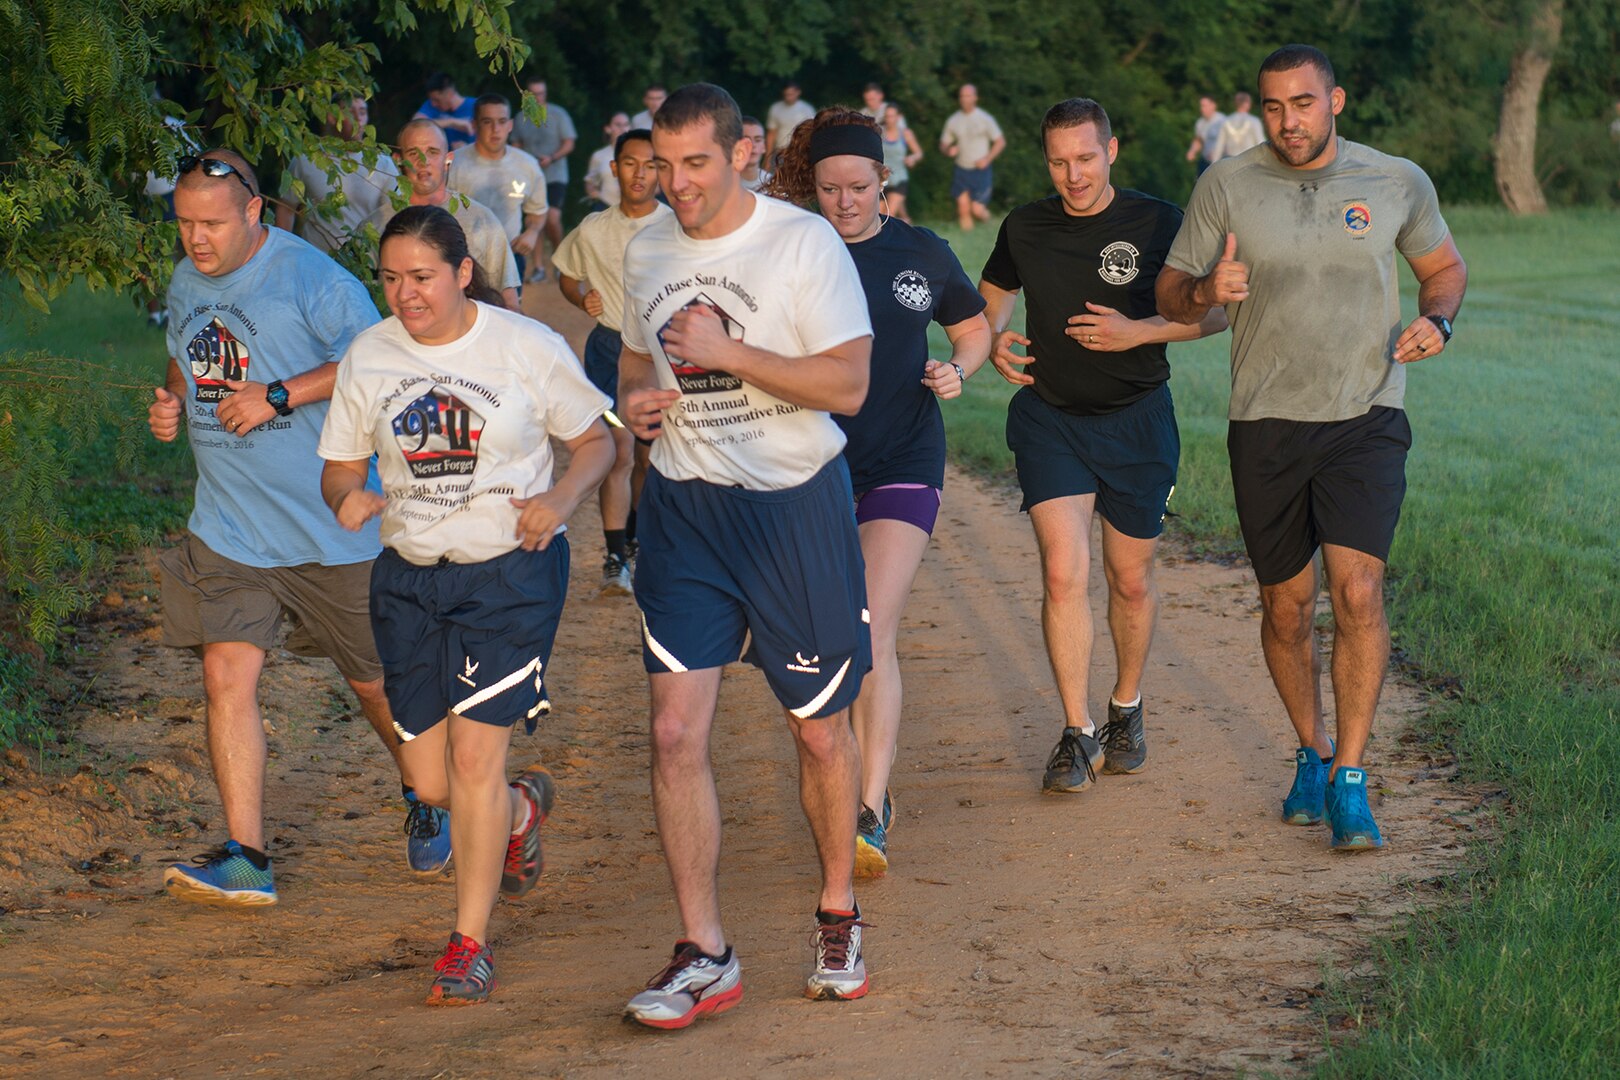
x=871, y=845
x=224, y=877
x=1348, y=813
x=427, y=831
x=1304, y=804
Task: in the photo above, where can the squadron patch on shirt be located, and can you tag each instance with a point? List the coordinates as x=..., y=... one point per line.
x=911, y=289
x=1118, y=263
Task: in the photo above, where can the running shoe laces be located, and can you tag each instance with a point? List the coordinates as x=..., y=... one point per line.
x=1070, y=753
x=687, y=955
x=1115, y=737
x=420, y=821
x=833, y=940
x=458, y=958
x=213, y=855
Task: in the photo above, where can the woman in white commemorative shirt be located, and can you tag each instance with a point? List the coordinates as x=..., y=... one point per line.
x=458, y=398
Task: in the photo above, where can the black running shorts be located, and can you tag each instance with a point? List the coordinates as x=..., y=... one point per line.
x=1301, y=484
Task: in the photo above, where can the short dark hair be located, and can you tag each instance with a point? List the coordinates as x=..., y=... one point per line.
x=1242, y=98
x=792, y=85
x=438, y=229
x=752, y=120
x=628, y=137
x=702, y=101
x=485, y=100
x=660, y=87
x=439, y=81
x=1074, y=112
x=1290, y=57
x=870, y=87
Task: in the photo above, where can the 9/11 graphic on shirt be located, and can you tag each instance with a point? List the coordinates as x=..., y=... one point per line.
x=216, y=355
x=692, y=378
x=438, y=435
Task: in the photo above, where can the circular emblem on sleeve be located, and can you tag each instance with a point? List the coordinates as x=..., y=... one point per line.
x=911, y=289
x=1357, y=218
x=1118, y=263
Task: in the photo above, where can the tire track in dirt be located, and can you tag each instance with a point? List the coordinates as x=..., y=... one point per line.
x=1163, y=924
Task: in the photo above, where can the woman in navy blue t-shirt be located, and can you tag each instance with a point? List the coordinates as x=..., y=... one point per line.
x=896, y=447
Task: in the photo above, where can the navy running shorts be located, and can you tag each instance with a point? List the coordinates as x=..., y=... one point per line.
x=1127, y=458
x=602, y=361
x=556, y=194
x=1301, y=484
x=976, y=182
x=469, y=638
x=772, y=578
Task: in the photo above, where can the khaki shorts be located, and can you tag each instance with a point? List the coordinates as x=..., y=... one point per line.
x=208, y=598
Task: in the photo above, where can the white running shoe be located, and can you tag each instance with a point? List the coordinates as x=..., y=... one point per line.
x=691, y=985
x=840, y=973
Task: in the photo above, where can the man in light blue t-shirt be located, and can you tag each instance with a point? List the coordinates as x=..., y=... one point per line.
x=258, y=320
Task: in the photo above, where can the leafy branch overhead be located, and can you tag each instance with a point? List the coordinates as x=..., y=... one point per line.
x=81, y=126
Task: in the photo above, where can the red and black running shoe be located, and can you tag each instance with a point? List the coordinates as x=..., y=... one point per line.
x=466, y=973
x=524, y=860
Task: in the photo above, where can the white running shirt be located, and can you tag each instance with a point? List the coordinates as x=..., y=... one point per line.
x=459, y=429
x=594, y=253
x=784, y=282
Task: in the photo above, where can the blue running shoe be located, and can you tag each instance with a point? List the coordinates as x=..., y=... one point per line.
x=427, y=828
x=888, y=811
x=871, y=845
x=1305, y=799
x=1348, y=813
x=224, y=876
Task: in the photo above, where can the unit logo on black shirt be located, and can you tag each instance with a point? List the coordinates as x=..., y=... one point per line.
x=438, y=434
x=1118, y=262
x=911, y=289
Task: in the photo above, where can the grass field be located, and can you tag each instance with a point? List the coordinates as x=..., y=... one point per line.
x=1504, y=589
x=1505, y=582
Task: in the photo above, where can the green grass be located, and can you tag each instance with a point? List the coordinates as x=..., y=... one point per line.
x=120, y=487
x=1505, y=583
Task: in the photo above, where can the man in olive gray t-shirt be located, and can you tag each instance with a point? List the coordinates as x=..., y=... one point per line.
x=1297, y=239
x=1315, y=339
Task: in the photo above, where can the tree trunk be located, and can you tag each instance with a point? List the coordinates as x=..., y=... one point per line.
x=1515, y=143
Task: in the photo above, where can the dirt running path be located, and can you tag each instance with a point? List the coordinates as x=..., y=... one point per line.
x=1165, y=924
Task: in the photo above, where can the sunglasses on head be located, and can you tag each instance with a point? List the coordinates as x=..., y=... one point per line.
x=216, y=168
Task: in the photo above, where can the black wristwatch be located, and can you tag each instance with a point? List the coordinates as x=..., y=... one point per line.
x=276, y=395
x=1442, y=324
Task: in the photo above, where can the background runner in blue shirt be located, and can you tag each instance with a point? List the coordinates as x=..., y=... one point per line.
x=896, y=443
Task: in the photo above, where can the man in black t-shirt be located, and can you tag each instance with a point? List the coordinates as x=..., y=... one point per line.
x=1093, y=427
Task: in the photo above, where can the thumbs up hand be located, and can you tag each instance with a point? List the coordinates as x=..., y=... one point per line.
x=1228, y=283
x=163, y=415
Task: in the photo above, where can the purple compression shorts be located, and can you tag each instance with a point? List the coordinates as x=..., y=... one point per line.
x=915, y=504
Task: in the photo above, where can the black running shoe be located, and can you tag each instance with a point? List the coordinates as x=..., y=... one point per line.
x=1123, y=741
x=1073, y=764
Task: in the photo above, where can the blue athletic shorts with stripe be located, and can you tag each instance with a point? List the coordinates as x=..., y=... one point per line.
x=469, y=638
x=773, y=578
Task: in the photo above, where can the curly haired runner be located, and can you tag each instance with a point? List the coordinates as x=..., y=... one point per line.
x=896, y=443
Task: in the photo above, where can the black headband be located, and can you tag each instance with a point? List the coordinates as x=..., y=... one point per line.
x=840, y=139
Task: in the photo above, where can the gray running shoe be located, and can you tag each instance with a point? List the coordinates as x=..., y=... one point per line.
x=1074, y=762
x=840, y=973
x=615, y=576
x=691, y=985
x=1124, y=743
